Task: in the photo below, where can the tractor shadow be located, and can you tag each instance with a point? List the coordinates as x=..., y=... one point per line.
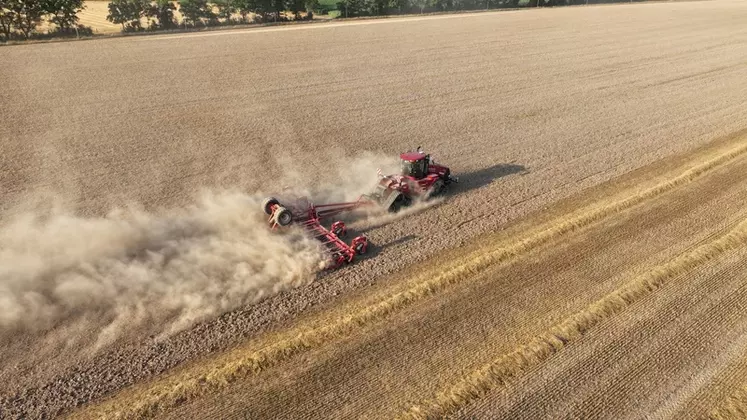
x=482, y=177
x=467, y=181
x=374, y=249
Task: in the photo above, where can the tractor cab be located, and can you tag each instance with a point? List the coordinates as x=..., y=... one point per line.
x=415, y=164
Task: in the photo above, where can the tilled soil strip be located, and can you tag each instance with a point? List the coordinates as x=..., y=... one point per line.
x=508, y=366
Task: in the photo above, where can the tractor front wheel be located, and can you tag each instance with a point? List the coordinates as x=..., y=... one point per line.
x=437, y=188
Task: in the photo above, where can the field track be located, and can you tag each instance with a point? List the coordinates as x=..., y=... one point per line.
x=590, y=261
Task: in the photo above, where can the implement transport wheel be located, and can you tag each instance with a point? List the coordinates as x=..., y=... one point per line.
x=339, y=229
x=360, y=244
x=283, y=216
x=267, y=204
x=337, y=261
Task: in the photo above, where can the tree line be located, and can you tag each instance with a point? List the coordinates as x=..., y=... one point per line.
x=20, y=19
x=354, y=8
x=159, y=14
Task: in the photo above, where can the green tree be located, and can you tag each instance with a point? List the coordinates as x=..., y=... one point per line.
x=353, y=8
x=277, y=7
x=312, y=5
x=296, y=6
x=26, y=15
x=162, y=12
x=63, y=13
x=6, y=19
x=126, y=13
x=260, y=8
x=195, y=11
x=226, y=9
x=402, y=6
x=242, y=7
x=118, y=12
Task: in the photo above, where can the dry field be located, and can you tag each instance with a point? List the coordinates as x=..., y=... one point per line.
x=590, y=263
x=94, y=15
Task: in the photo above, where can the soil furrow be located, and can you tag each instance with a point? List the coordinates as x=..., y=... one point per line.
x=507, y=367
x=643, y=355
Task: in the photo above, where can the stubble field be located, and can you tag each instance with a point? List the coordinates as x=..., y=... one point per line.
x=589, y=262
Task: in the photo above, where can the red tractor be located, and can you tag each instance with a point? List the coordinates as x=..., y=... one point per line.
x=420, y=177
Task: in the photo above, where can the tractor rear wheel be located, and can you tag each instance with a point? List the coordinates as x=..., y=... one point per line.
x=267, y=204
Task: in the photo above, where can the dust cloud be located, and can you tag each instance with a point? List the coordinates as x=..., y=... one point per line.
x=131, y=268
x=372, y=218
x=137, y=272
x=351, y=177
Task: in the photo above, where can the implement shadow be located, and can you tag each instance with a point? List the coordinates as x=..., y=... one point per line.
x=375, y=249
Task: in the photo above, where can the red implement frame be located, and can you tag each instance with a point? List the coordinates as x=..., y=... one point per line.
x=323, y=211
x=310, y=219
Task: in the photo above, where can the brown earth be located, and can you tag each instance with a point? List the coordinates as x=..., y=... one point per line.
x=381, y=370
x=527, y=107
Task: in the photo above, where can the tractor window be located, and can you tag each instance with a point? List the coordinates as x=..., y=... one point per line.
x=415, y=169
x=406, y=167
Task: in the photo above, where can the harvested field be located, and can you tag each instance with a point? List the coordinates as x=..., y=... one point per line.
x=588, y=263
x=94, y=15
x=521, y=311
